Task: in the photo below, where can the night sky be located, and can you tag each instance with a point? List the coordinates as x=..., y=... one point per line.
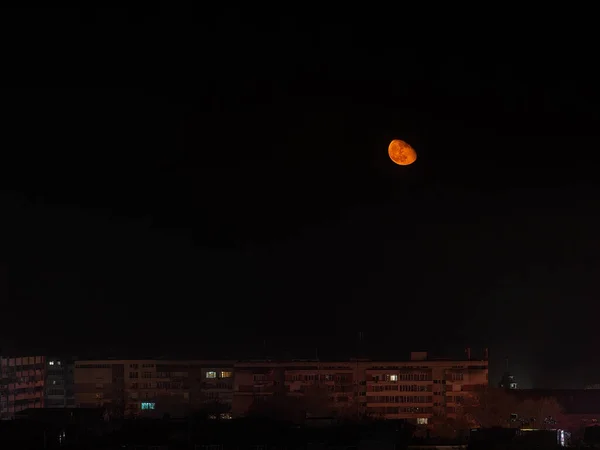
x=223, y=189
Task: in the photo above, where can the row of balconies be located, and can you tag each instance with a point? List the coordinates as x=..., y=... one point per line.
x=26, y=397
x=411, y=403
x=26, y=385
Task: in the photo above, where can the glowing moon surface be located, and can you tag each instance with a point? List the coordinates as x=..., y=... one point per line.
x=401, y=153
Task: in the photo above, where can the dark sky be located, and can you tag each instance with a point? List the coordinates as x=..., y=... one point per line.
x=222, y=187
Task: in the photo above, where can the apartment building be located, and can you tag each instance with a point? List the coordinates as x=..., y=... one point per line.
x=417, y=389
x=22, y=381
x=152, y=387
x=34, y=382
x=217, y=382
x=256, y=381
x=59, y=381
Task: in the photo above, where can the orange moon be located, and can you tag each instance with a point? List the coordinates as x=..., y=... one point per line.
x=401, y=153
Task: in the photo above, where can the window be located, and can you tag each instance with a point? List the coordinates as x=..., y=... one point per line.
x=226, y=374
x=211, y=374
x=422, y=421
x=394, y=377
x=148, y=405
x=51, y=363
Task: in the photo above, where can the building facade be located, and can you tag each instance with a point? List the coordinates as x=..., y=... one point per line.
x=59, y=392
x=34, y=382
x=152, y=387
x=21, y=384
x=419, y=389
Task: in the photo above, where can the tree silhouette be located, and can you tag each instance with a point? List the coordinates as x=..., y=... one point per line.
x=494, y=407
x=278, y=408
x=212, y=409
x=489, y=407
x=540, y=413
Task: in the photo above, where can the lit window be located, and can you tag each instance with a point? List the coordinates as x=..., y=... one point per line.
x=393, y=377
x=148, y=405
x=226, y=374
x=422, y=421
x=211, y=374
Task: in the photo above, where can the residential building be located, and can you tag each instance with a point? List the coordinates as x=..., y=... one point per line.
x=421, y=389
x=59, y=391
x=22, y=383
x=34, y=382
x=256, y=381
x=217, y=382
x=418, y=389
x=152, y=387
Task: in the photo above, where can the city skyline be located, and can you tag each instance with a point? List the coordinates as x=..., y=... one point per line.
x=417, y=388
x=498, y=372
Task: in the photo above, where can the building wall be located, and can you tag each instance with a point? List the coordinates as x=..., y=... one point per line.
x=93, y=383
x=217, y=382
x=152, y=387
x=421, y=389
x=418, y=389
x=59, y=383
x=22, y=384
